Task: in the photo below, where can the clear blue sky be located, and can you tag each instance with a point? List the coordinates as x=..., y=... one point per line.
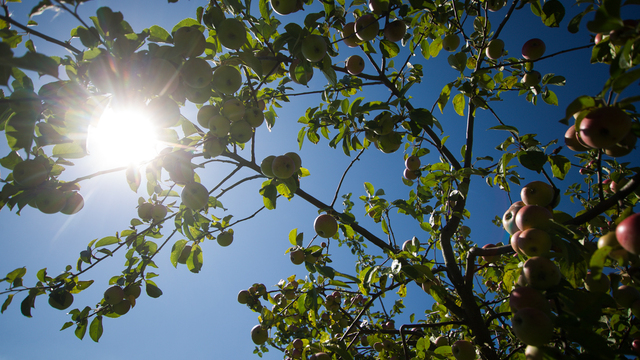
x=198, y=316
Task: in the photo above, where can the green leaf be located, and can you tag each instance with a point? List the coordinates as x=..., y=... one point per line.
x=109, y=240
x=443, y=99
x=269, y=194
x=326, y=271
x=81, y=329
x=293, y=237
x=194, y=262
x=6, y=303
x=152, y=290
x=159, y=34
x=34, y=62
x=552, y=13
x=67, y=325
x=623, y=80
x=550, y=97
x=389, y=49
x=560, y=166
x=598, y=258
x=579, y=104
x=176, y=251
x=505, y=127
x=459, y=104
x=27, y=304
x=15, y=274
x=95, y=329
x=532, y=159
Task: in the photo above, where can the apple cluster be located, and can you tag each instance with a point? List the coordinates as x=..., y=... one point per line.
x=366, y=27
x=281, y=167
x=412, y=166
x=380, y=131
x=607, y=128
x=119, y=301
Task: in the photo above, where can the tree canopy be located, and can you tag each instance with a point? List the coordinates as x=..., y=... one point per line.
x=564, y=285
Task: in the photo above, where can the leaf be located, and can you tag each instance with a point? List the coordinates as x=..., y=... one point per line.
x=579, y=104
x=95, y=329
x=81, y=329
x=6, y=303
x=532, y=159
x=389, y=49
x=159, y=34
x=552, y=13
x=458, y=104
x=26, y=305
x=109, y=240
x=623, y=80
x=293, y=237
x=443, y=99
x=550, y=98
x=326, y=271
x=194, y=262
x=560, y=166
x=152, y=290
x=269, y=194
x=33, y=61
x=505, y=127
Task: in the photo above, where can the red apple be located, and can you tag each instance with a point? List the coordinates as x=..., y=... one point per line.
x=490, y=258
x=509, y=217
x=528, y=297
x=572, y=141
x=604, y=127
x=534, y=242
x=531, y=78
x=537, y=193
x=533, y=216
x=533, y=49
x=412, y=162
x=395, y=30
x=532, y=326
x=409, y=174
x=367, y=27
x=541, y=273
x=628, y=234
x=349, y=35
x=355, y=64
x=623, y=147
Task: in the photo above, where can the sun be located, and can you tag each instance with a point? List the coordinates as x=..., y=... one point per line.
x=123, y=137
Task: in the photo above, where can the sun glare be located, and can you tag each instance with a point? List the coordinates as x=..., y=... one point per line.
x=123, y=137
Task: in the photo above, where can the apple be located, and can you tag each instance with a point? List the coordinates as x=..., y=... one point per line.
x=325, y=226
x=314, y=48
x=450, y=42
x=412, y=163
x=297, y=256
x=159, y=212
x=635, y=345
x=620, y=36
x=389, y=143
x=231, y=33
x=164, y=112
x=244, y=296
x=132, y=290
x=615, y=186
x=527, y=297
x=214, y=146
x=601, y=285
x=178, y=164
x=441, y=341
x=50, y=200
x=30, y=173
x=299, y=74
x=189, y=41
x=626, y=295
x=233, y=109
x=184, y=255
x=379, y=7
x=623, y=147
x=241, y=131
x=628, y=233
x=395, y=30
x=196, y=73
x=195, y=196
x=617, y=252
x=225, y=238
x=268, y=61
x=113, y=295
x=532, y=326
x=197, y=95
x=533, y=49
x=254, y=116
x=259, y=335
x=74, y=202
x=463, y=350
x=297, y=344
x=537, y=193
x=320, y=356
x=122, y=307
x=541, y=273
x=572, y=141
x=490, y=258
x=349, y=35
x=513, y=241
x=604, y=127
x=367, y=27
x=145, y=211
x=355, y=64
x=533, y=216
x=495, y=5
x=226, y=79
x=296, y=159
x=60, y=299
x=533, y=353
x=410, y=174
x=160, y=77
x=509, y=217
x=494, y=49
x=531, y=78
x=205, y=113
x=266, y=166
x=219, y=125
x=284, y=7
x=283, y=167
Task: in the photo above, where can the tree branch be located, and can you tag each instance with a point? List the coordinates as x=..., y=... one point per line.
x=41, y=35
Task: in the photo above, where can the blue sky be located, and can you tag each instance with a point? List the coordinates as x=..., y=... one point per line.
x=198, y=315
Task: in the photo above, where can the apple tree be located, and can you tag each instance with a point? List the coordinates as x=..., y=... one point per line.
x=566, y=286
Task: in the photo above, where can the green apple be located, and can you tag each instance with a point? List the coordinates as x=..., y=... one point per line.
x=602, y=285
x=196, y=73
x=441, y=341
x=163, y=111
x=178, y=165
x=532, y=326
x=160, y=77
x=189, y=41
x=451, y=42
x=132, y=290
x=198, y=95
x=355, y=64
x=314, y=48
x=214, y=146
x=537, y=193
x=145, y=211
x=325, y=226
x=628, y=233
x=74, y=202
x=219, y=126
x=412, y=163
x=266, y=166
x=159, y=212
x=617, y=252
x=244, y=296
x=604, y=127
x=528, y=297
x=60, y=299
x=533, y=49
x=254, y=116
x=495, y=5
x=232, y=33
x=389, y=143
x=113, y=295
x=395, y=30
x=533, y=216
x=283, y=167
x=296, y=159
x=268, y=61
x=349, y=35
x=533, y=353
x=195, y=196
x=541, y=273
x=226, y=79
x=367, y=27
x=50, y=200
x=534, y=242
x=299, y=74
x=205, y=113
x=122, y=307
x=321, y=355
x=284, y=7
x=573, y=141
x=30, y=173
x=225, y=238
x=494, y=49
x=463, y=350
x=297, y=256
x=241, y=131
x=531, y=78
x=379, y=7
x=233, y=109
x=259, y=335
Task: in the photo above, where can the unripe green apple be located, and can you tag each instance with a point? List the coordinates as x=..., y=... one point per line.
x=219, y=125
x=283, y=167
x=266, y=166
x=532, y=326
x=441, y=341
x=259, y=335
x=197, y=95
x=195, y=196
x=132, y=290
x=602, y=285
x=213, y=146
x=367, y=27
x=163, y=111
x=626, y=295
x=299, y=74
x=537, y=193
x=232, y=33
x=509, y=217
x=159, y=212
x=60, y=299
x=113, y=295
x=226, y=79
x=623, y=147
x=325, y=226
x=533, y=353
x=122, y=307
x=50, y=200
x=533, y=49
x=161, y=77
x=244, y=296
x=73, y=204
x=314, y=48
x=189, y=41
x=379, y=7
x=30, y=173
x=254, y=117
x=531, y=78
x=284, y=7
x=241, y=131
x=225, y=238
x=617, y=252
x=463, y=350
x=395, y=30
x=145, y=211
x=451, y=42
x=355, y=64
x=389, y=143
x=233, y=109
x=541, y=273
x=196, y=73
x=349, y=35
x=296, y=159
x=495, y=5
x=494, y=49
x=297, y=256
